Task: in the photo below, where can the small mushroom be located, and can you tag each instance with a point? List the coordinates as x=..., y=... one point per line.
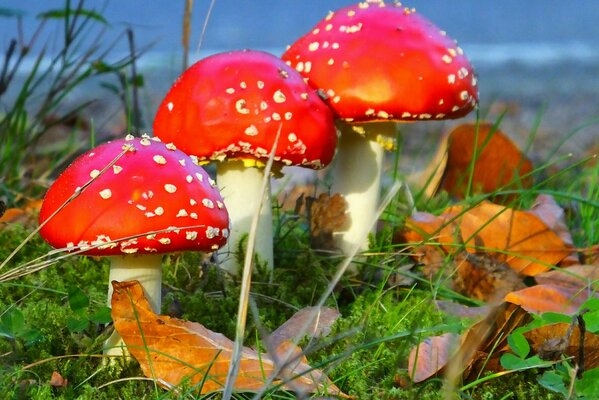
x=229, y=108
x=378, y=63
x=153, y=199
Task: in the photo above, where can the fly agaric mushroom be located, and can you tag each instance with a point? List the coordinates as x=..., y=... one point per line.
x=230, y=107
x=380, y=63
x=153, y=199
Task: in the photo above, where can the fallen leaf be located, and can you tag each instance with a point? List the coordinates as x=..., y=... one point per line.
x=328, y=214
x=554, y=216
x=57, y=380
x=481, y=155
x=478, y=348
x=575, y=276
x=549, y=298
x=518, y=238
x=545, y=337
x=461, y=310
x=24, y=215
x=311, y=321
x=482, y=277
x=174, y=351
x=431, y=355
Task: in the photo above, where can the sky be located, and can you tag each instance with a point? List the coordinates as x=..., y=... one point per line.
x=275, y=23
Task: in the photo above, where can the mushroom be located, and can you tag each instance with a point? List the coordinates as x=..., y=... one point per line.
x=153, y=199
x=379, y=63
x=230, y=107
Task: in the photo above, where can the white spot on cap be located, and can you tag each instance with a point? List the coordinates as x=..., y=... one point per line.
x=171, y=146
x=189, y=178
x=191, y=235
x=288, y=115
x=193, y=202
x=130, y=251
x=193, y=215
x=145, y=141
x=208, y=203
x=182, y=162
x=313, y=46
x=170, y=106
x=94, y=173
x=212, y=232
x=263, y=105
x=304, y=96
x=128, y=138
x=279, y=97
x=446, y=59
x=225, y=233
x=307, y=67
x=260, y=84
x=170, y=188
x=276, y=116
x=331, y=61
x=200, y=177
x=240, y=106
x=106, y=194
x=243, y=85
x=292, y=137
x=300, y=66
x=451, y=78
x=158, y=159
x=464, y=95
x=230, y=90
x=116, y=169
x=159, y=211
x=164, y=241
x=251, y=130
x=182, y=213
x=219, y=204
x=141, y=207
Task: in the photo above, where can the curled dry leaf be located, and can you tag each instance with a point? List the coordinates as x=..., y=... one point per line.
x=25, y=215
x=553, y=341
x=174, y=351
x=518, y=238
x=575, y=277
x=486, y=153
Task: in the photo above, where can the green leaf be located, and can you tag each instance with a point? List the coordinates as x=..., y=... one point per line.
x=77, y=325
x=69, y=12
x=13, y=322
x=78, y=301
x=101, y=316
x=518, y=344
x=588, y=385
x=31, y=336
x=513, y=362
x=553, y=381
x=554, y=318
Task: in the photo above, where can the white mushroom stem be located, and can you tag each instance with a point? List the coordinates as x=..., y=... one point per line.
x=241, y=188
x=145, y=268
x=357, y=176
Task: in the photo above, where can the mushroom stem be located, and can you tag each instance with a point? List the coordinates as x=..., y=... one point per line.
x=357, y=176
x=147, y=270
x=241, y=189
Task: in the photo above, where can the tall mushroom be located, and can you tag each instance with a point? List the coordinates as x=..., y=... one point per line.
x=153, y=199
x=378, y=63
x=230, y=107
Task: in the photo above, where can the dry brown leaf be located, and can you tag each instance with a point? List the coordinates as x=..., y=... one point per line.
x=518, y=238
x=549, y=298
x=576, y=277
x=484, y=278
x=478, y=347
x=554, y=216
x=499, y=163
x=555, y=339
x=23, y=215
x=57, y=380
x=174, y=351
x=462, y=311
x=317, y=321
x=431, y=355
x=328, y=214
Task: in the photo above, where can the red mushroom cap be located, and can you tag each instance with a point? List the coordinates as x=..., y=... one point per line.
x=231, y=106
x=151, y=187
x=378, y=61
